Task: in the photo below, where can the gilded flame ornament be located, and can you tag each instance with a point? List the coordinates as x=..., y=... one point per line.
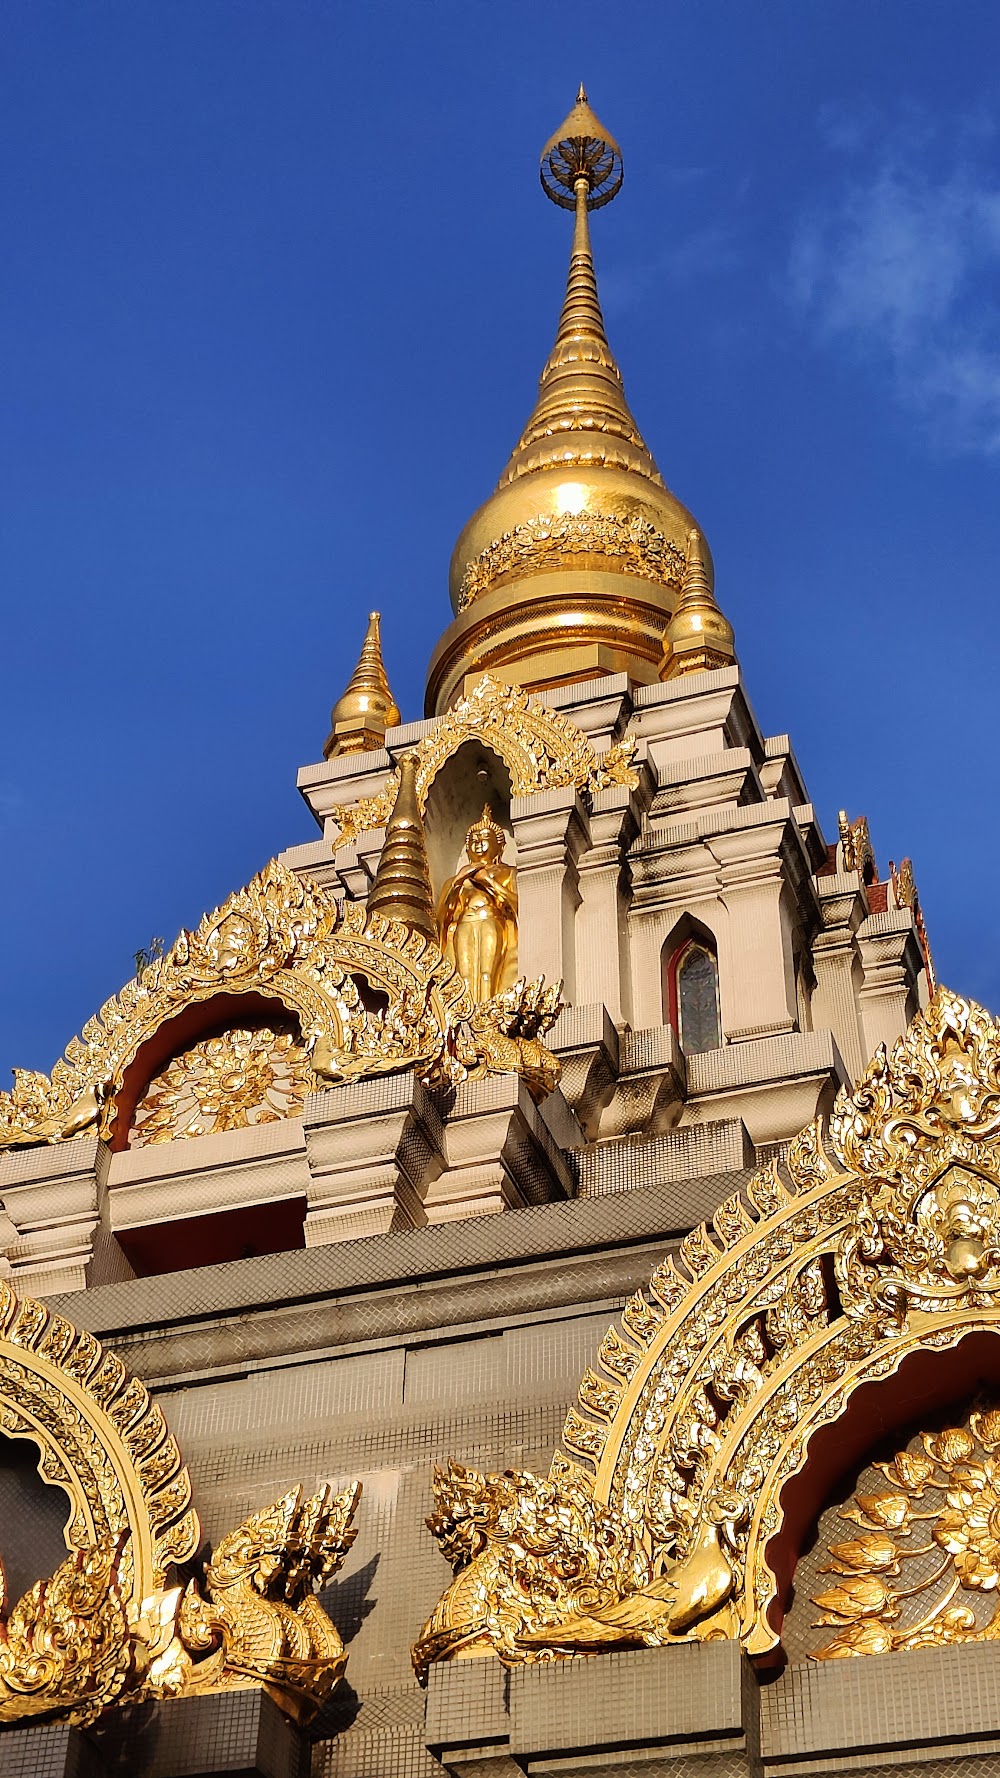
x=663, y=1516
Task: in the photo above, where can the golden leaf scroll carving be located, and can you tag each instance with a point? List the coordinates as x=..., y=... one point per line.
x=284, y=939
x=921, y=1565
x=541, y=748
x=115, y=1623
x=704, y=1400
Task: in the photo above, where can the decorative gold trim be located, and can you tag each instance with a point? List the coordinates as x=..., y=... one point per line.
x=704, y=1401
x=101, y=1439
x=282, y=938
x=632, y=544
x=541, y=748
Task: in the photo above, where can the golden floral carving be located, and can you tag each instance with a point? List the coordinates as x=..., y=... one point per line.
x=238, y=1079
x=230, y=1081
x=703, y=1401
x=281, y=937
x=943, y=1501
x=632, y=544
x=542, y=749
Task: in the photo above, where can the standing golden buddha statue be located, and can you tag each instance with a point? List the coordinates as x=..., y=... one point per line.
x=477, y=914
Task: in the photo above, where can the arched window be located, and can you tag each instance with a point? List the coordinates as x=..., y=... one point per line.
x=692, y=997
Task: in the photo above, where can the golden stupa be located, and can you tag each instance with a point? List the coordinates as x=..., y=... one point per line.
x=573, y=566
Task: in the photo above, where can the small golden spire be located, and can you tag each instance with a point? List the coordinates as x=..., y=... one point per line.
x=367, y=708
x=402, y=886
x=698, y=637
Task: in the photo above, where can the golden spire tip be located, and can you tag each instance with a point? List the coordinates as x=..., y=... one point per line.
x=360, y=717
x=581, y=150
x=698, y=638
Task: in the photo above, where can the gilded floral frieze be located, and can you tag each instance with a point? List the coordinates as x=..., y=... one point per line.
x=555, y=540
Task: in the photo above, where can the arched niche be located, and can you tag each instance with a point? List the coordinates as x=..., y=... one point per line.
x=99, y=1438
x=689, y=984
x=473, y=776
x=195, y=1024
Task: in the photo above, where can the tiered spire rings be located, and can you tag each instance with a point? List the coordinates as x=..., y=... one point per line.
x=572, y=568
x=402, y=887
x=367, y=708
x=698, y=636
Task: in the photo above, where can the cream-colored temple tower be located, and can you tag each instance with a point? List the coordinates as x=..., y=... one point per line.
x=572, y=1091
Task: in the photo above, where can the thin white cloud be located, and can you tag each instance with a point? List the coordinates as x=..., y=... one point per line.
x=902, y=265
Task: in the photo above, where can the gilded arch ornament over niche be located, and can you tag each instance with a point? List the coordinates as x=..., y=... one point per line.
x=541, y=748
x=117, y=1621
x=664, y=1517
x=282, y=939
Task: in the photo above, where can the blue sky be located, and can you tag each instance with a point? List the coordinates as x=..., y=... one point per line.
x=278, y=282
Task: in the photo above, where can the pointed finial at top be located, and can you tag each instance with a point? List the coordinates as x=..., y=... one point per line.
x=582, y=162
x=402, y=887
x=367, y=708
x=699, y=638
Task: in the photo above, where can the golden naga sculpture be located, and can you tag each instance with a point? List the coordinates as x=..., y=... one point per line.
x=282, y=939
x=665, y=1517
x=478, y=912
x=114, y=1623
x=541, y=748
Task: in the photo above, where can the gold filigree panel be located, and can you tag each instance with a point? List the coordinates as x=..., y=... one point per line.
x=235, y=1080
x=541, y=748
x=283, y=939
x=914, y=1560
x=632, y=545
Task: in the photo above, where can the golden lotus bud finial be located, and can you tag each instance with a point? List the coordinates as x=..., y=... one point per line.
x=402, y=887
x=360, y=717
x=699, y=638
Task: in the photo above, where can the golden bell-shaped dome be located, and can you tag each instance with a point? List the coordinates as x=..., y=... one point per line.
x=573, y=566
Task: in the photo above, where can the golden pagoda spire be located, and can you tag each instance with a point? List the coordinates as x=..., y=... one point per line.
x=698, y=636
x=580, y=391
x=367, y=708
x=573, y=566
x=402, y=886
